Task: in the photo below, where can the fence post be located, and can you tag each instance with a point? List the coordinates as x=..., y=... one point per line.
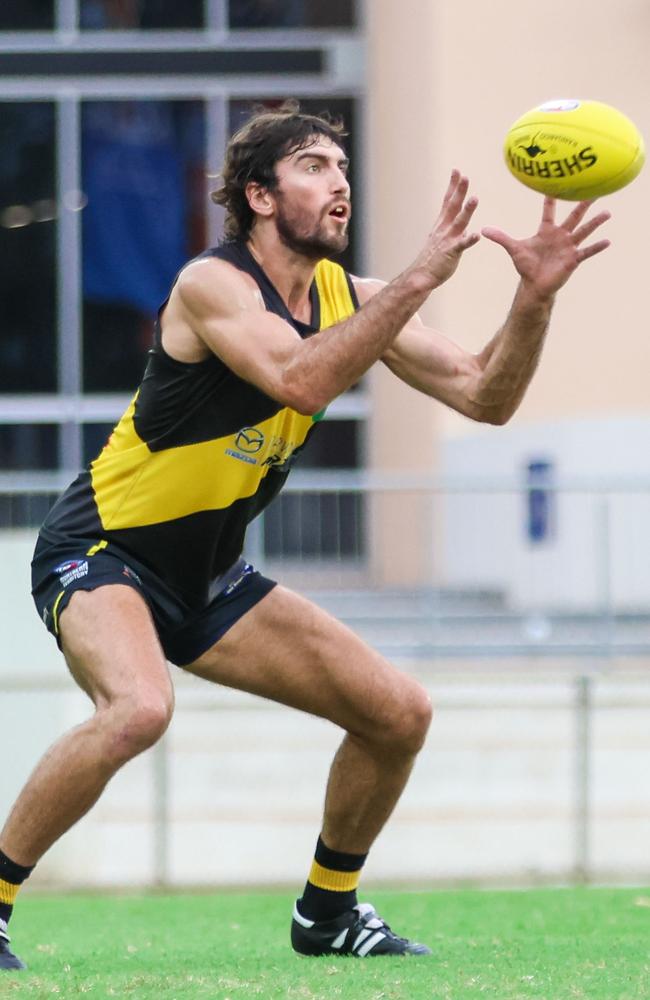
x=582, y=780
x=160, y=814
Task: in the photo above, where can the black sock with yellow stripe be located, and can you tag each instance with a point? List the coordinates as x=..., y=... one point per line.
x=12, y=877
x=332, y=884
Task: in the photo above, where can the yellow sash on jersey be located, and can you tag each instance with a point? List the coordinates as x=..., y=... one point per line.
x=135, y=486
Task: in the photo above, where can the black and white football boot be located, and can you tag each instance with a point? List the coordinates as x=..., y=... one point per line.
x=358, y=932
x=7, y=958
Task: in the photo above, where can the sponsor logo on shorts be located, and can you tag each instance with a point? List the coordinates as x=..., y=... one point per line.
x=131, y=573
x=65, y=566
x=72, y=570
x=247, y=570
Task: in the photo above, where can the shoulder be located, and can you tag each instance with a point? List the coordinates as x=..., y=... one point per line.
x=209, y=281
x=212, y=272
x=366, y=287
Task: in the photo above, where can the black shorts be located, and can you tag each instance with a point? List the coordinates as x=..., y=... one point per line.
x=185, y=633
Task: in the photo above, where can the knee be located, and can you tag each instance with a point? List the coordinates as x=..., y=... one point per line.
x=137, y=722
x=410, y=719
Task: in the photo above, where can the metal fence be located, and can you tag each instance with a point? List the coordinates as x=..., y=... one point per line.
x=534, y=646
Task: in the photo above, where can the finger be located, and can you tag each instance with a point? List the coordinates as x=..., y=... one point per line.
x=583, y=232
x=464, y=216
x=577, y=215
x=498, y=236
x=469, y=241
x=591, y=251
x=548, y=211
x=449, y=194
x=453, y=180
x=455, y=202
x=451, y=187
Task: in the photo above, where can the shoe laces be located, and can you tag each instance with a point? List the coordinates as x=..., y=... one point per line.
x=369, y=917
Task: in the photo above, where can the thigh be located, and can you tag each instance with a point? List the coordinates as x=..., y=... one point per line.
x=111, y=646
x=289, y=650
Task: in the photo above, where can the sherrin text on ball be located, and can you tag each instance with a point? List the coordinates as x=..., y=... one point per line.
x=574, y=149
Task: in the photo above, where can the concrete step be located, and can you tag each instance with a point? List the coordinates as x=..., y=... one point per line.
x=430, y=622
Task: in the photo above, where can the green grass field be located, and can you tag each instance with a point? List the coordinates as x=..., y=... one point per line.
x=534, y=944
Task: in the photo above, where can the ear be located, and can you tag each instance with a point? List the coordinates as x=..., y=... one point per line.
x=259, y=199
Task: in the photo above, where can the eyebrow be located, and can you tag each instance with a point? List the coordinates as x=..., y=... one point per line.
x=306, y=154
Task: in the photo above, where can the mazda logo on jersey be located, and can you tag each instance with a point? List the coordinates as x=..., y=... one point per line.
x=249, y=440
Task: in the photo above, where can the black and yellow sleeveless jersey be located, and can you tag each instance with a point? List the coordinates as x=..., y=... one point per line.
x=197, y=455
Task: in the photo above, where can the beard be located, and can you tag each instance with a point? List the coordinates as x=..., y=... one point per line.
x=313, y=242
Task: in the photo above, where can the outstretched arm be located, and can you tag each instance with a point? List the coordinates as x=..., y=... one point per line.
x=488, y=387
x=222, y=308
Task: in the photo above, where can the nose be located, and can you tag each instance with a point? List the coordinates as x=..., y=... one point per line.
x=341, y=184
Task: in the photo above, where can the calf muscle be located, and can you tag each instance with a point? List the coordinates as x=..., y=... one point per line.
x=114, y=655
x=290, y=651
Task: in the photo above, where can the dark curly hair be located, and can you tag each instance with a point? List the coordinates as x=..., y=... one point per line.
x=252, y=153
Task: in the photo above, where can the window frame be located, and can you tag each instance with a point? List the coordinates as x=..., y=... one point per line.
x=342, y=76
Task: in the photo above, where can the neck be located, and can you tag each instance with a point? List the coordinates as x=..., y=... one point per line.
x=291, y=273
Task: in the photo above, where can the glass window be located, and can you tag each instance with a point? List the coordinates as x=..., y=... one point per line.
x=123, y=15
x=342, y=107
x=27, y=247
x=144, y=178
x=334, y=444
x=26, y=15
x=25, y=510
x=292, y=14
x=314, y=524
x=28, y=446
x=320, y=524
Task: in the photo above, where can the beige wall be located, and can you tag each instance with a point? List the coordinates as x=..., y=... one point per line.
x=404, y=428
x=447, y=77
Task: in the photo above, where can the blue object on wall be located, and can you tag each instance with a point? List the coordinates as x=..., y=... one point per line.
x=540, y=501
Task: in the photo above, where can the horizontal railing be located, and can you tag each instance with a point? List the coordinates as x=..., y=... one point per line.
x=446, y=580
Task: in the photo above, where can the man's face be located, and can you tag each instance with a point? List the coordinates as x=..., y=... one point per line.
x=312, y=200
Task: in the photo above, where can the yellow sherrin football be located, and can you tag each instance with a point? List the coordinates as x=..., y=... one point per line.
x=574, y=149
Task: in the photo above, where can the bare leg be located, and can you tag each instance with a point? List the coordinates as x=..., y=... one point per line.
x=113, y=653
x=290, y=651
x=365, y=784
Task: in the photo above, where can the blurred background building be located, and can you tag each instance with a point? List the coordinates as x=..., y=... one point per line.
x=508, y=566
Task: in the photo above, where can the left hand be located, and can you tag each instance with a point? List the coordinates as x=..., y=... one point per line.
x=547, y=260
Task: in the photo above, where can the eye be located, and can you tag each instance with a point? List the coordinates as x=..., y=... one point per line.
x=313, y=168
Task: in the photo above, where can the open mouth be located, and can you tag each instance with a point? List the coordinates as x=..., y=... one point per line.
x=340, y=213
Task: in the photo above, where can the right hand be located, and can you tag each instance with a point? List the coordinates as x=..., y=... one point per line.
x=449, y=238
